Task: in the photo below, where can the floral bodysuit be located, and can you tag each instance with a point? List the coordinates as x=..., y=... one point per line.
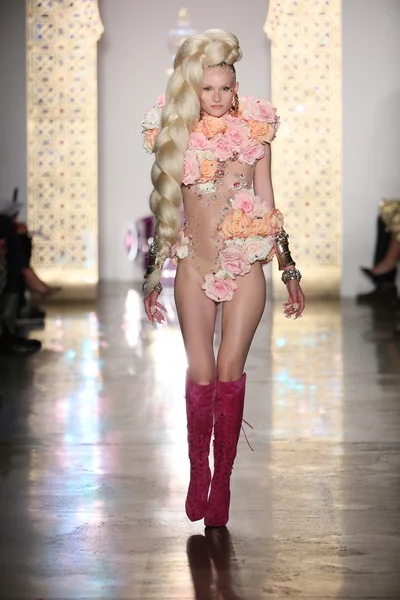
x=227, y=227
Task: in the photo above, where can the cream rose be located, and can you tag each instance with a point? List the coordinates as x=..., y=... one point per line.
x=256, y=248
x=233, y=259
x=152, y=119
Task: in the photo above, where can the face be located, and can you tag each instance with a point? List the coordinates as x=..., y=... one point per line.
x=219, y=87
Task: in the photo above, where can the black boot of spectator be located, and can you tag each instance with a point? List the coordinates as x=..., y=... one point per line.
x=10, y=343
x=385, y=294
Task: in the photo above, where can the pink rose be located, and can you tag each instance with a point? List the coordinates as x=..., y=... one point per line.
x=256, y=248
x=191, y=168
x=244, y=200
x=221, y=148
x=199, y=141
x=161, y=101
x=233, y=259
x=237, y=135
x=252, y=152
x=258, y=110
x=219, y=287
x=260, y=208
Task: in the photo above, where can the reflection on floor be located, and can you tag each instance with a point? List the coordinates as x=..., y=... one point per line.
x=94, y=462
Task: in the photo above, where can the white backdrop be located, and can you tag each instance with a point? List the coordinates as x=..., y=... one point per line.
x=12, y=99
x=132, y=61
x=371, y=126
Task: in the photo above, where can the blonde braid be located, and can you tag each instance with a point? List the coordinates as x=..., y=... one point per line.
x=179, y=118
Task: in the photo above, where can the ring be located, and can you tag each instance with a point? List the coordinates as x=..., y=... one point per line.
x=152, y=310
x=295, y=306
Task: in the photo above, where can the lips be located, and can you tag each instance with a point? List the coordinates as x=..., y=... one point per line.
x=215, y=106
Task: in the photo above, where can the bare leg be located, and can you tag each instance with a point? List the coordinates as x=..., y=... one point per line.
x=240, y=319
x=34, y=284
x=196, y=315
x=391, y=258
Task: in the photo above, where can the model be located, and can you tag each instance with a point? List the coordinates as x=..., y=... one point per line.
x=213, y=152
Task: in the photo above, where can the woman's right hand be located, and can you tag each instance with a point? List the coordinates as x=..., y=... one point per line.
x=154, y=310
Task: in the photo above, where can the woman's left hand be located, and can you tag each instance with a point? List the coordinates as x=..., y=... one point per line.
x=296, y=302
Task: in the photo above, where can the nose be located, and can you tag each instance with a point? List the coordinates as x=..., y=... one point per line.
x=216, y=96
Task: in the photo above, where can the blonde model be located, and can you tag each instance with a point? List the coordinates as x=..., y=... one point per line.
x=213, y=152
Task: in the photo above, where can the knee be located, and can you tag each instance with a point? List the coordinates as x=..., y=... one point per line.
x=229, y=369
x=201, y=376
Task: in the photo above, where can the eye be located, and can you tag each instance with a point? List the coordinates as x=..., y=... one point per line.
x=226, y=89
x=206, y=89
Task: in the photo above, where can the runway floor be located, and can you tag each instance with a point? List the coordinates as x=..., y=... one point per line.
x=94, y=468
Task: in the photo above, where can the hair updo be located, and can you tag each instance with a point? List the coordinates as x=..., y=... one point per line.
x=180, y=116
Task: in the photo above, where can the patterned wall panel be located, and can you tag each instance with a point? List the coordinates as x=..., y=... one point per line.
x=306, y=77
x=62, y=40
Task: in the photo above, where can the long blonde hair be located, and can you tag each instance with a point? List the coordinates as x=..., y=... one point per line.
x=180, y=116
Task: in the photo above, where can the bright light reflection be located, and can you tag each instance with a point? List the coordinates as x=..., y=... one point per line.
x=308, y=375
x=132, y=318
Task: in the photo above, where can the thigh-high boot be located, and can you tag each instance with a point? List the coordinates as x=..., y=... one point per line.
x=200, y=414
x=229, y=402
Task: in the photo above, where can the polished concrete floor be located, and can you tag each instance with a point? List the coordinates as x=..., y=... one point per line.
x=94, y=465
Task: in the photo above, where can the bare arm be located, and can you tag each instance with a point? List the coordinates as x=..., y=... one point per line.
x=262, y=178
x=263, y=188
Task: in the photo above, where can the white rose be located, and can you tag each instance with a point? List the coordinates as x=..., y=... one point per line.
x=152, y=119
x=257, y=248
x=182, y=251
x=207, y=188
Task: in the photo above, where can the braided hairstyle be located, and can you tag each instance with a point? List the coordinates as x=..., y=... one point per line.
x=180, y=116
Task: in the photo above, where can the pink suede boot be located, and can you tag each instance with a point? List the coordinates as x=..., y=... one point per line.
x=200, y=414
x=229, y=404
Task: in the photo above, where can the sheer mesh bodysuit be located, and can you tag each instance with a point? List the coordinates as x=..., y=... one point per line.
x=204, y=211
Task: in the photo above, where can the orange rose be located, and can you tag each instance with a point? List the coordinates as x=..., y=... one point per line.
x=256, y=227
x=273, y=220
x=198, y=128
x=213, y=125
x=207, y=170
x=150, y=136
x=235, y=225
x=260, y=131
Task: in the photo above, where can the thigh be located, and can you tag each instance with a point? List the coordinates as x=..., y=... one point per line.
x=196, y=315
x=240, y=319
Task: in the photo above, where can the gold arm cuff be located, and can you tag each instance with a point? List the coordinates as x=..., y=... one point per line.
x=281, y=245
